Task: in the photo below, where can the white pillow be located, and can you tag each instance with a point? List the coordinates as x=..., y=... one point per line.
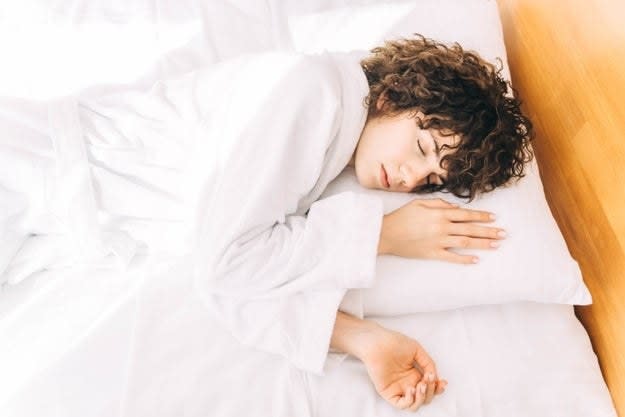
x=315, y=27
x=532, y=263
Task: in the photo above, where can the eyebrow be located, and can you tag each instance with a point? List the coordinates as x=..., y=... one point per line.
x=437, y=148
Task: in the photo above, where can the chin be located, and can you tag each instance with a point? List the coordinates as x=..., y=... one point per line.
x=360, y=179
x=363, y=180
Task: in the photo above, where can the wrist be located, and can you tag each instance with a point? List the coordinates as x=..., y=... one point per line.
x=384, y=246
x=353, y=335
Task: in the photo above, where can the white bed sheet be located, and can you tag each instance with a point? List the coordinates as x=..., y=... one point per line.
x=153, y=352
x=118, y=340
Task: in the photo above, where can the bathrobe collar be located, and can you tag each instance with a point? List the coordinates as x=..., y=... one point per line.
x=354, y=90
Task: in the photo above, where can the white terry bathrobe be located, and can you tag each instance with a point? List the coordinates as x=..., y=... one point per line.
x=225, y=163
x=271, y=262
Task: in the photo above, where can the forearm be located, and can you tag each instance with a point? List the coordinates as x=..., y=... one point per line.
x=384, y=244
x=353, y=335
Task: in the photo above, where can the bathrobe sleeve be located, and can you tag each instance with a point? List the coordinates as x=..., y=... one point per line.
x=271, y=271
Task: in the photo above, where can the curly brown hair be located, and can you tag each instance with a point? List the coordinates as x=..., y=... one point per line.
x=461, y=94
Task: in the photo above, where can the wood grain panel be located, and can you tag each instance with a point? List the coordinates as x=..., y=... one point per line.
x=567, y=60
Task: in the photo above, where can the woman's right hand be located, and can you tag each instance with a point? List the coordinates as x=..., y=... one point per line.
x=402, y=372
x=427, y=229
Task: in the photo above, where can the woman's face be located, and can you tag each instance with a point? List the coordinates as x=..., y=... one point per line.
x=394, y=154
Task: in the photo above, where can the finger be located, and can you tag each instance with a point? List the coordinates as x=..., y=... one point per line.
x=474, y=230
x=406, y=400
x=465, y=242
x=428, y=370
x=436, y=203
x=468, y=215
x=449, y=256
x=430, y=375
x=429, y=378
x=424, y=363
x=441, y=384
x=431, y=386
x=419, y=396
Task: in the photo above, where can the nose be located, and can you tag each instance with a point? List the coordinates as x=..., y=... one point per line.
x=415, y=172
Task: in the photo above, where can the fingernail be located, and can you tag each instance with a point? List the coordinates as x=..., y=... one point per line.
x=502, y=233
x=475, y=260
x=492, y=216
x=422, y=388
x=494, y=244
x=429, y=377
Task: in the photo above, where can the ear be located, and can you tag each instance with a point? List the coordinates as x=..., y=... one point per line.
x=379, y=104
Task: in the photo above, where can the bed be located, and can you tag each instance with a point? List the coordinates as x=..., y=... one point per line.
x=114, y=335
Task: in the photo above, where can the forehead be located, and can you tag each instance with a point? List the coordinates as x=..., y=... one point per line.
x=444, y=138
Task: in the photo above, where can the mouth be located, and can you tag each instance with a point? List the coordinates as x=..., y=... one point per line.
x=384, y=177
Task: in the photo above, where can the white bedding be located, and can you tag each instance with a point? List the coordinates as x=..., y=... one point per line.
x=153, y=352
x=109, y=337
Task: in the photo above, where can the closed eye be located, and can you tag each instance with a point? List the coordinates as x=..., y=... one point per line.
x=420, y=148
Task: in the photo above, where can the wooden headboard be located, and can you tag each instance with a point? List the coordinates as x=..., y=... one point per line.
x=567, y=60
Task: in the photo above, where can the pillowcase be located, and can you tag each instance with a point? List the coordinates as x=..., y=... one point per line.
x=532, y=263
x=315, y=27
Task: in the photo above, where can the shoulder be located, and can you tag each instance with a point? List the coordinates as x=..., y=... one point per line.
x=320, y=67
x=316, y=74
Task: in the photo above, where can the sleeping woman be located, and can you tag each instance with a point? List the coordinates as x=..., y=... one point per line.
x=255, y=141
x=273, y=262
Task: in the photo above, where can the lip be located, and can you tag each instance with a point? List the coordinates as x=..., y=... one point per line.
x=384, y=177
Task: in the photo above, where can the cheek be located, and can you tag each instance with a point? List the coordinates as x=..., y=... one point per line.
x=406, y=149
x=398, y=151
x=368, y=149
x=383, y=144
x=367, y=164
